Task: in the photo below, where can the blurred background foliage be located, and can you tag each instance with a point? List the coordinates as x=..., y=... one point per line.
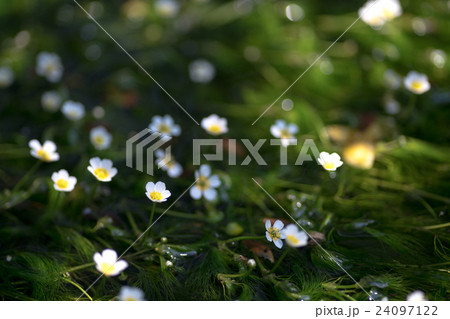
x=386, y=224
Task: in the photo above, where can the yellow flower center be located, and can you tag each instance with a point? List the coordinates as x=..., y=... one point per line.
x=62, y=183
x=130, y=299
x=164, y=128
x=101, y=173
x=107, y=269
x=388, y=14
x=274, y=233
x=155, y=196
x=50, y=67
x=416, y=85
x=292, y=239
x=43, y=155
x=72, y=113
x=99, y=139
x=328, y=165
x=203, y=183
x=285, y=134
x=214, y=128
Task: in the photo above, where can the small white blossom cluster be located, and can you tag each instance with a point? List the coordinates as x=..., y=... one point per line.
x=291, y=234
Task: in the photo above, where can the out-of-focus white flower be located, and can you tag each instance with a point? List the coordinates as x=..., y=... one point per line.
x=294, y=236
x=359, y=154
x=98, y=112
x=131, y=294
x=50, y=66
x=294, y=12
x=169, y=264
x=167, y=8
x=63, y=182
x=417, y=82
x=330, y=161
x=274, y=233
x=214, y=124
x=206, y=184
x=51, y=101
x=100, y=138
x=251, y=263
x=157, y=192
x=201, y=71
x=417, y=295
x=392, y=79
x=6, y=76
x=164, y=125
x=167, y=163
x=107, y=263
x=73, y=110
x=377, y=12
x=103, y=170
x=46, y=152
x=284, y=131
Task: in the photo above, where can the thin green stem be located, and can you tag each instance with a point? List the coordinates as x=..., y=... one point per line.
x=132, y=222
x=76, y=268
x=242, y=238
x=437, y=226
x=26, y=176
x=280, y=260
x=79, y=287
x=144, y=239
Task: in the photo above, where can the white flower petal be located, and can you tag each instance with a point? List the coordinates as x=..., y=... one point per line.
x=195, y=192
x=210, y=194
x=214, y=181
x=160, y=187
x=205, y=170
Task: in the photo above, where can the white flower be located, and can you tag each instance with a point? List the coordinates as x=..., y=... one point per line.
x=103, y=170
x=157, y=192
x=417, y=295
x=169, y=264
x=100, y=138
x=73, y=110
x=284, y=132
x=107, y=263
x=274, y=233
x=164, y=125
x=131, y=294
x=251, y=263
x=294, y=236
x=377, y=12
x=46, y=152
x=167, y=163
x=205, y=185
x=417, y=82
x=201, y=71
x=215, y=125
x=330, y=161
x=49, y=65
x=6, y=76
x=51, y=101
x=166, y=8
x=63, y=182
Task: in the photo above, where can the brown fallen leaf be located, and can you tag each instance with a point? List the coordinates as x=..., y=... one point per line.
x=319, y=237
x=259, y=249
